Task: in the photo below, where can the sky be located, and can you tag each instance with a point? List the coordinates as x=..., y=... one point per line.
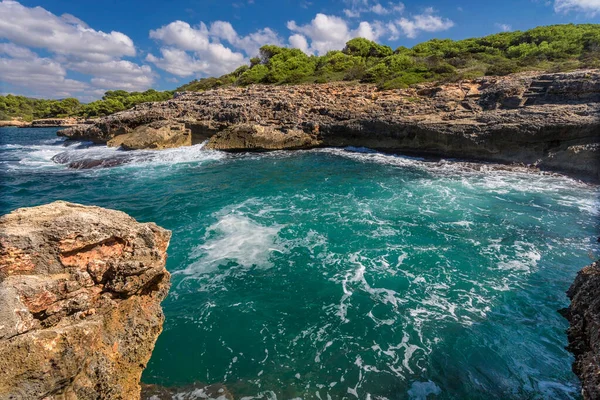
x=82, y=48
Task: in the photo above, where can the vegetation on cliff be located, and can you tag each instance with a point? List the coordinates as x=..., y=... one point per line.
x=28, y=109
x=550, y=48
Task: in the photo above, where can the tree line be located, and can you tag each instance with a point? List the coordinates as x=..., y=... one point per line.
x=113, y=101
x=553, y=48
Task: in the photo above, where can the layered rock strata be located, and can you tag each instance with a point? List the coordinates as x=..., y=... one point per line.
x=80, y=293
x=548, y=120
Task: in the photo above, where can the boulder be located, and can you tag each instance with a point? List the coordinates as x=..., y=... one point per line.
x=584, y=333
x=80, y=293
x=157, y=135
x=248, y=137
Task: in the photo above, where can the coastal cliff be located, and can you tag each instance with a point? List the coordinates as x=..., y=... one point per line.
x=80, y=294
x=551, y=121
x=584, y=333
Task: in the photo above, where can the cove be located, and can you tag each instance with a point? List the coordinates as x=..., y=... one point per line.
x=341, y=273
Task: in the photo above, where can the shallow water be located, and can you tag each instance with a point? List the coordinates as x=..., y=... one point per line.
x=341, y=273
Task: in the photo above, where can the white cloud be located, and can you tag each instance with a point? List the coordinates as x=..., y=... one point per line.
x=14, y=51
x=250, y=44
x=73, y=46
x=217, y=60
x=116, y=74
x=41, y=76
x=198, y=50
x=504, y=27
x=299, y=41
x=37, y=28
x=590, y=7
x=181, y=35
x=358, y=7
x=328, y=32
x=426, y=22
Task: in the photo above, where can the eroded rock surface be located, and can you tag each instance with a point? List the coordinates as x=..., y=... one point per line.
x=246, y=137
x=80, y=293
x=584, y=333
x=156, y=135
x=536, y=119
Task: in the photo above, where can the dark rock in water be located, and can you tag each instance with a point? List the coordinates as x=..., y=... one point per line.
x=584, y=333
x=80, y=294
x=66, y=158
x=195, y=391
x=91, y=163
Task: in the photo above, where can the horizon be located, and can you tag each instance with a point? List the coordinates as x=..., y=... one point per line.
x=65, y=49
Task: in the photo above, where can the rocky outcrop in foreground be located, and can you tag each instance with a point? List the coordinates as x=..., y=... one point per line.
x=80, y=293
x=584, y=333
x=548, y=120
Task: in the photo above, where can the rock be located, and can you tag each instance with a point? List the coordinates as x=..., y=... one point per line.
x=584, y=333
x=14, y=122
x=528, y=118
x=54, y=122
x=246, y=137
x=195, y=391
x=156, y=135
x=80, y=293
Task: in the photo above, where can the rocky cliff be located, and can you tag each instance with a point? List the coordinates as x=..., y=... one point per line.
x=80, y=293
x=549, y=120
x=584, y=333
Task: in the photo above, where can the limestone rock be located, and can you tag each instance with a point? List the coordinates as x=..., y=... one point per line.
x=584, y=333
x=156, y=135
x=80, y=293
x=246, y=137
x=526, y=118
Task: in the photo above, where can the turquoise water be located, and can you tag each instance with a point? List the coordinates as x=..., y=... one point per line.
x=341, y=273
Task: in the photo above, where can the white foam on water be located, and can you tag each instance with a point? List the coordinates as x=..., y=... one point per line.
x=234, y=238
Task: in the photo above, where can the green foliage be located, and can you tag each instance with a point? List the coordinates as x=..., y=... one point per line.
x=546, y=48
x=29, y=109
x=365, y=48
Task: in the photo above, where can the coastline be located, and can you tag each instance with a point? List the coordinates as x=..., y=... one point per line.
x=492, y=120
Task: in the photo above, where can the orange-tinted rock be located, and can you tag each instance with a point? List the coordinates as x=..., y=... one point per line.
x=80, y=293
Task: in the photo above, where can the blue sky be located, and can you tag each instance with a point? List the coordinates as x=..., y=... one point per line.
x=61, y=48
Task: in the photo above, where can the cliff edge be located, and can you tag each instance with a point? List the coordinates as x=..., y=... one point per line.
x=551, y=121
x=584, y=333
x=80, y=294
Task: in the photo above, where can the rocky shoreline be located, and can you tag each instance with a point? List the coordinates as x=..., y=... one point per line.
x=550, y=121
x=43, y=123
x=584, y=333
x=80, y=294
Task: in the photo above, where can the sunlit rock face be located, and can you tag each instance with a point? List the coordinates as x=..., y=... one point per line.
x=80, y=293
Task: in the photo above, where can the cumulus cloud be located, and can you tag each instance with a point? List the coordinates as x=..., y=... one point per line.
x=116, y=74
x=42, y=76
x=426, y=22
x=37, y=28
x=73, y=46
x=217, y=60
x=201, y=48
x=328, y=32
x=590, y=7
x=250, y=44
